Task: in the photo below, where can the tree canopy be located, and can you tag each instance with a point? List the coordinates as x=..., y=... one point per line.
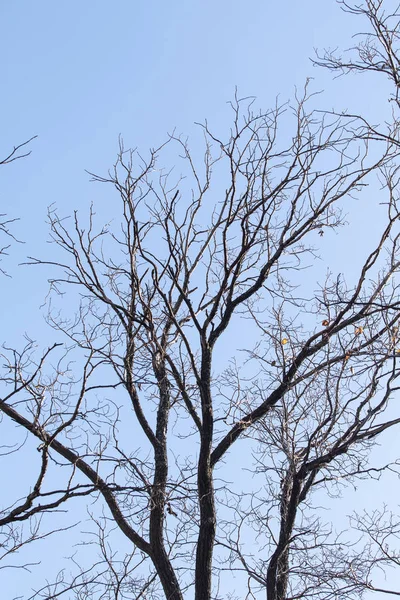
x=205, y=397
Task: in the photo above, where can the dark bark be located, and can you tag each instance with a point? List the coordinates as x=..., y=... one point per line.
x=278, y=568
x=207, y=527
x=160, y=558
x=87, y=470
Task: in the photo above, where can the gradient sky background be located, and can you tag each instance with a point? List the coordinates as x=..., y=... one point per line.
x=79, y=73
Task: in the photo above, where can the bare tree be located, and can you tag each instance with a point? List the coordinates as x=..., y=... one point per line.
x=377, y=51
x=5, y=222
x=196, y=333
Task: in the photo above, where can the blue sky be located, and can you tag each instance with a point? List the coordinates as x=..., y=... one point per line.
x=78, y=74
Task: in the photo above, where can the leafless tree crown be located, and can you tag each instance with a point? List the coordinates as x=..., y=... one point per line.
x=210, y=394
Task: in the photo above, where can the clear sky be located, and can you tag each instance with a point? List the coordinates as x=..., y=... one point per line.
x=79, y=73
